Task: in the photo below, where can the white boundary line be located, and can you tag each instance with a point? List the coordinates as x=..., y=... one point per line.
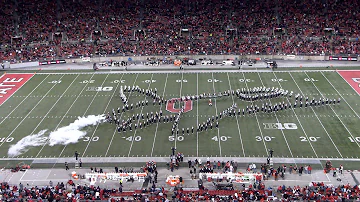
x=277, y=119
x=333, y=111
x=107, y=105
x=257, y=120
x=31, y=111
x=157, y=124
x=16, y=89
x=297, y=118
x=237, y=120
x=216, y=113
x=317, y=117
x=24, y=99
x=65, y=114
x=86, y=111
x=142, y=108
x=112, y=138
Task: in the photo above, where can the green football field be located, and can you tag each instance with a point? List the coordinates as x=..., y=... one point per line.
x=54, y=100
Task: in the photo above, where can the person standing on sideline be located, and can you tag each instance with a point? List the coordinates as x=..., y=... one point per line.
x=341, y=168
x=66, y=166
x=309, y=169
x=76, y=155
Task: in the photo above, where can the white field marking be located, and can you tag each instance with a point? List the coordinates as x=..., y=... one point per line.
x=345, y=80
x=257, y=120
x=86, y=111
x=24, y=99
x=334, y=112
x=142, y=108
x=216, y=111
x=65, y=115
x=30, y=111
x=53, y=107
x=341, y=95
x=278, y=121
x=157, y=124
x=177, y=127
x=237, y=121
x=17, y=89
x=297, y=118
x=97, y=125
x=197, y=115
x=317, y=117
x=112, y=138
x=186, y=71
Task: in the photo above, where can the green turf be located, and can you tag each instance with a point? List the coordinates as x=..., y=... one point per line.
x=322, y=132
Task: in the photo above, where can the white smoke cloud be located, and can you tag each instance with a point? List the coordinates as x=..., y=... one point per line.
x=65, y=135
x=72, y=133
x=25, y=143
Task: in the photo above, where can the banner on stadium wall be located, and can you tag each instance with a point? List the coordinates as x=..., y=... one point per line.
x=52, y=62
x=340, y=58
x=86, y=59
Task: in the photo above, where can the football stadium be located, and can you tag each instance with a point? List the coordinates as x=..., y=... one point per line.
x=179, y=100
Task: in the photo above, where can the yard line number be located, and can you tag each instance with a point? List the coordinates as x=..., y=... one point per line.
x=131, y=138
x=178, y=138
x=6, y=139
x=245, y=80
x=266, y=138
x=87, y=81
x=222, y=138
x=118, y=81
x=55, y=81
x=311, y=139
x=213, y=80
x=310, y=79
x=355, y=139
x=278, y=80
x=181, y=80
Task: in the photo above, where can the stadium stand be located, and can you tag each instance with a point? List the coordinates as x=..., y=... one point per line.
x=34, y=30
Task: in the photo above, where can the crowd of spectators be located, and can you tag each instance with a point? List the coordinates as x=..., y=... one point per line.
x=71, y=192
x=171, y=27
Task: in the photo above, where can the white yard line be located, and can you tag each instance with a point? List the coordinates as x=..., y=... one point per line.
x=97, y=125
x=257, y=119
x=31, y=111
x=157, y=124
x=297, y=118
x=216, y=111
x=333, y=111
x=237, y=121
x=112, y=138
x=24, y=99
x=197, y=115
x=177, y=127
x=17, y=89
x=277, y=119
x=142, y=108
x=62, y=151
x=317, y=118
x=340, y=94
x=65, y=114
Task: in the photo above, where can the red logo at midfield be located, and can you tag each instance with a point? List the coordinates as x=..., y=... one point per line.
x=170, y=106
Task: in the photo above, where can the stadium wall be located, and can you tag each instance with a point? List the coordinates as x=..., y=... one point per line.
x=213, y=57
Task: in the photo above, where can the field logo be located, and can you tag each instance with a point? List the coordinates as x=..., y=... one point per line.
x=352, y=78
x=170, y=105
x=280, y=126
x=10, y=83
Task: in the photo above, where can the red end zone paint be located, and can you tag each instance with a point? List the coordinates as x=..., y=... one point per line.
x=352, y=78
x=10, y=83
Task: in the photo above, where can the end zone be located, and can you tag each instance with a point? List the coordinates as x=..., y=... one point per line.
x=10, y=83
x=352, y=78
